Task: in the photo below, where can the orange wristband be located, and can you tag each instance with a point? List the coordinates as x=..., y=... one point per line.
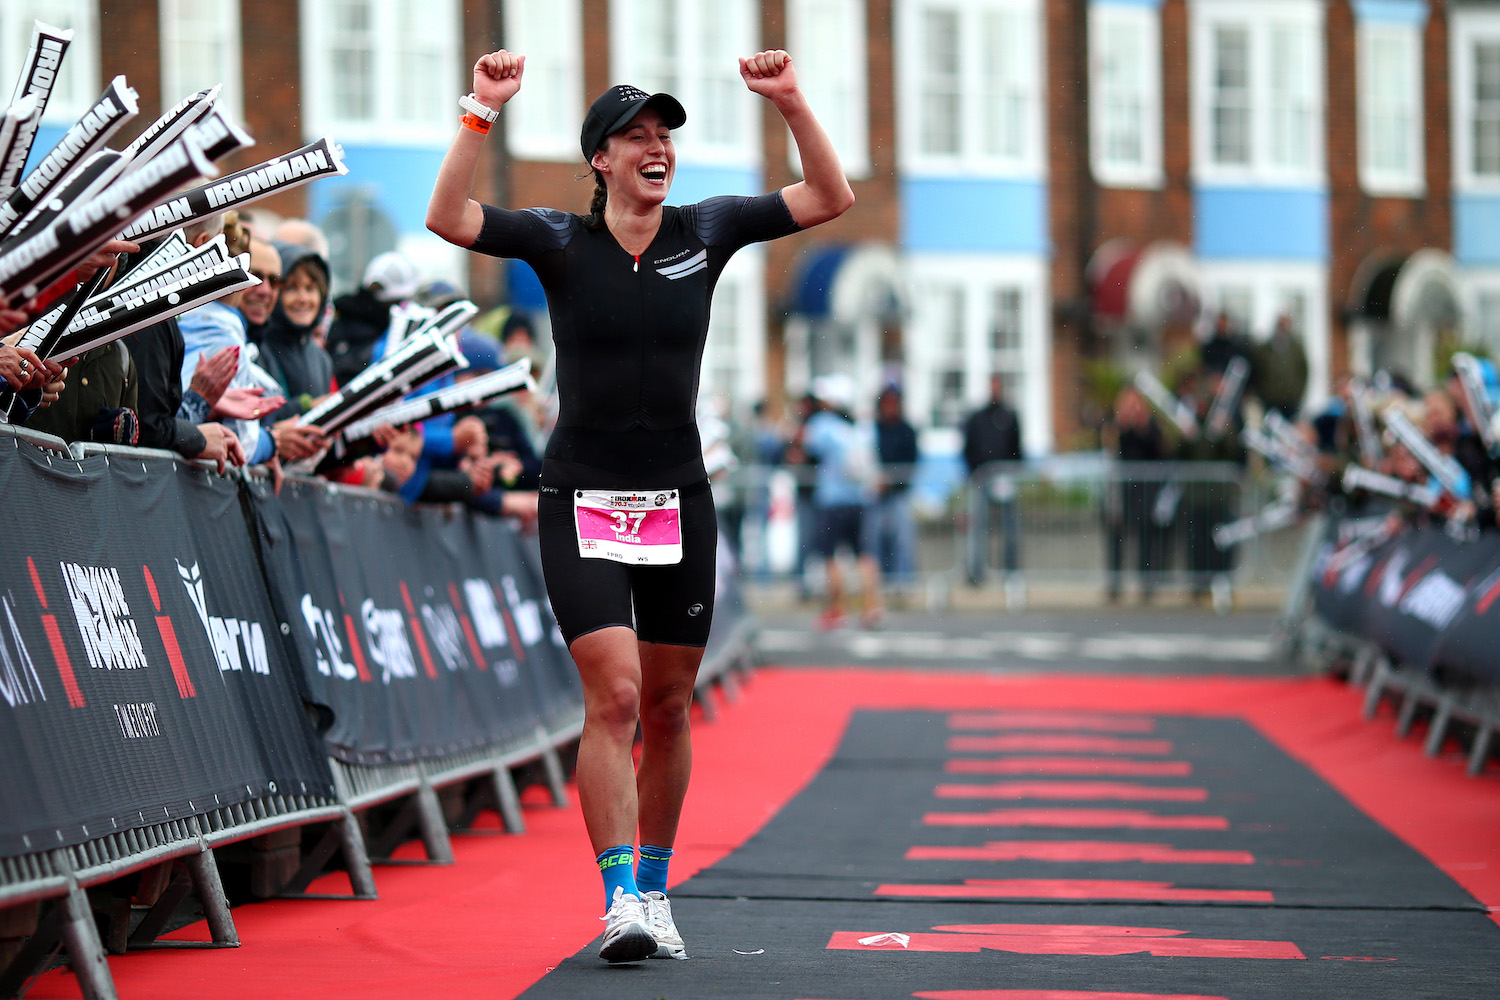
x=473, y=121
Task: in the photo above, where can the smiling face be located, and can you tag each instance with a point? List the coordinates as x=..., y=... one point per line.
x=639, y=161
x=301, y=298
x=257, y=301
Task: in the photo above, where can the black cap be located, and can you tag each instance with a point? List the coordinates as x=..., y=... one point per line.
x=617, y=106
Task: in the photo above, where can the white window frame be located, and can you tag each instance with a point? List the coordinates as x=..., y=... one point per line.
x=1109, y=21
x=837, y=88
x=173, y=86
x=696, y=75
x=1375, y=179
x=1480, y=288
x=385, y=127
x=80, y=65
x=1263, y=21
x=1468, y=25
x=1269, y=285
x=746, y=357
x=971, y=159
x=980, y=277
x=546, y=128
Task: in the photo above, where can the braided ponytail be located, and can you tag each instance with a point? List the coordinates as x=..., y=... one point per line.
x=595, y=219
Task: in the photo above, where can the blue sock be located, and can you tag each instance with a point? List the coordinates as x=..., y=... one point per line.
x=651, y=873
x=617, y=865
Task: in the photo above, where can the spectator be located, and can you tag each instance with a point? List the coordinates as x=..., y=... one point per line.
x=893, y=532
x=519, y=466
x=804, y=467
x=1223, y=345
x=259, y=301
x=1278, y=369
x=211, y=330
x=1130, y=506
x=288, y=351
x=993, y=434
x=843, y=490
x=1208, y=500
x=362, y=317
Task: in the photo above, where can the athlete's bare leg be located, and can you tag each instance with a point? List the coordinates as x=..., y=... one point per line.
x=668, y=675
x=609, y=664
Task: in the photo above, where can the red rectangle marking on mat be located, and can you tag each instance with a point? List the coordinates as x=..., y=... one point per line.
x=1054, y=995
x=1081, y=766
x=1023, y=939
x=1074, y=888
x=1106, y=851
x=1057, y=743
x=1074, y=790
x=1100, y=723
x=1129, y=819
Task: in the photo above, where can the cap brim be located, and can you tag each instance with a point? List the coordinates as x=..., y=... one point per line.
x=670, y=109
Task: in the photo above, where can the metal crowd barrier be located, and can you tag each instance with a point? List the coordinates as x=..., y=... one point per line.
x=1414, y=692
x=1070, y=521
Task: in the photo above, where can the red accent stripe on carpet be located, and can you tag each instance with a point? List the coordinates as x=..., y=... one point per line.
x=1105, y=851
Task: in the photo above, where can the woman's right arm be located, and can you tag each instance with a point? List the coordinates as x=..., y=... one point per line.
x=452, y=213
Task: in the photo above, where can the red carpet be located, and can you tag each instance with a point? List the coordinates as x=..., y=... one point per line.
x=513, y=907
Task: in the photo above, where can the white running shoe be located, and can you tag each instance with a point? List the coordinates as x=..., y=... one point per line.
x=626, y=937
x=663, y=929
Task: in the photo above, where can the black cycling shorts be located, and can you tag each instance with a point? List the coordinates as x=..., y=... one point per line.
x=667, y=604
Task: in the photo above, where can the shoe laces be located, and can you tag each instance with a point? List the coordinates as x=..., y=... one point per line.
x=625, y=908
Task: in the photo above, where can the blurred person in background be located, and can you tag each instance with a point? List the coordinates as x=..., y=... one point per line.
x=363, y=316
x=1278, y=370
x=892, y=529
x=1208, y=498
x=1133, y=437
x=843, y=492
x=993, y=434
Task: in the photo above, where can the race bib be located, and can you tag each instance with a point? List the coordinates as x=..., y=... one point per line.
x=639, y=528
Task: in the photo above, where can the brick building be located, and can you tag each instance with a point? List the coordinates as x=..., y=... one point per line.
x=1041, y=183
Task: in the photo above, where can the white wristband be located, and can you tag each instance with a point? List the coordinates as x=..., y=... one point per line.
x=472, y=104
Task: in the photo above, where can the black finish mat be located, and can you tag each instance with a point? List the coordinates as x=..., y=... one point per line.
x=1189, y=858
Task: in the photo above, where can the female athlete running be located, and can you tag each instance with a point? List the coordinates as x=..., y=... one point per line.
x=626, y=520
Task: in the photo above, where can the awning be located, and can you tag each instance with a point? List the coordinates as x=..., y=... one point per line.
x=1420, y=289
x=850, y=284
x=1143, y=287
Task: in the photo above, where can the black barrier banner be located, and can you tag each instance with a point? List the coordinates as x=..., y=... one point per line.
x=1423, y=597
x=421, y=631
x=143, y=675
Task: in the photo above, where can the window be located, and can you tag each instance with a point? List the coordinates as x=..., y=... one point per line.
x=200, y=47
x=78, y=85
x=1257, y=95
x=691, y=50
x=543, y=121
x=827, y=39
x=1390, y=109
x=734, y=360
x=973, y=96
x=381, y=70
x=1125, y=94
x=973, y=316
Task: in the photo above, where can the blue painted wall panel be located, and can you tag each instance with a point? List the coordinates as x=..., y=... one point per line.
x=1268, y=224
x=398, y=179
x=1411, y=12
x=1476, y=229
x=974, y=216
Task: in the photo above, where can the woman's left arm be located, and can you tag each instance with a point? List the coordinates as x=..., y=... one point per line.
x=824, y=192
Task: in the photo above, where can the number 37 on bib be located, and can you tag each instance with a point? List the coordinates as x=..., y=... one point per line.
x=635, y=527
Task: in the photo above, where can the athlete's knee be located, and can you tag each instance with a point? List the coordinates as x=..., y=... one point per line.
x=615, y=703
x=667, y=712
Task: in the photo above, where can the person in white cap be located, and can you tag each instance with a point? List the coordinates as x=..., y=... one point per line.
x=626, y=519
x=362, y=317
